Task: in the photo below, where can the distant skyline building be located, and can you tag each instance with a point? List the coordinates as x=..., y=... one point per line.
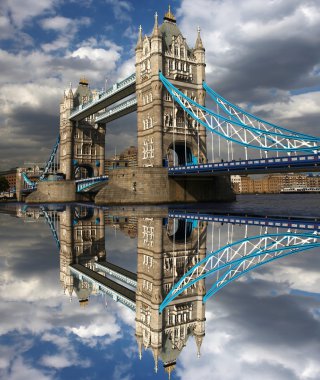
x=275, y=183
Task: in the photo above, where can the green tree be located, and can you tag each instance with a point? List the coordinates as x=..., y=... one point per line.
x=4, y=184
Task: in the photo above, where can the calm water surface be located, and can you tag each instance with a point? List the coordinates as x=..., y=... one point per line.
x=59, y=322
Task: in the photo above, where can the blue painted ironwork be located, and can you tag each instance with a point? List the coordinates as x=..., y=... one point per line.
x=246, y=118
x=250, y=136
x=239, y=269
x=51, y=224
x=87, y=183
x=239, y=256
x=266, y=221
x=51, y=159
x=30, y=184
x=285, y=163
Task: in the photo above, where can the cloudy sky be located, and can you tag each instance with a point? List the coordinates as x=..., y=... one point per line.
x=264, y=55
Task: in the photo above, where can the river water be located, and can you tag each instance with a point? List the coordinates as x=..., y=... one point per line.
x=82, y=290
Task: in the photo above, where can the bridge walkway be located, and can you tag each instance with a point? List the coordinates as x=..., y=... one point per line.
x=118, y=272
x=106, y=282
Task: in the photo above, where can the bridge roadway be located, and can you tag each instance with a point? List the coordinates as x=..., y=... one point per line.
x=286, y=164
x=120, y=273
x=113, y=95
x=116, y=291
x=309, y=224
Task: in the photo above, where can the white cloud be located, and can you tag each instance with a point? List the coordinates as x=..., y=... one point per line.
x=56, y=361
x=22, y=11
x=298, y=106
x=121, y=9
x=21, y=370
x=66, y=28
x=57, y=23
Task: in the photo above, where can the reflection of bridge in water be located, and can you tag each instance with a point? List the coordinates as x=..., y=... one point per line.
x=176, y=253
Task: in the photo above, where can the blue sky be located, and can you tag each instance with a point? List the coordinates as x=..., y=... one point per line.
x=265, y=54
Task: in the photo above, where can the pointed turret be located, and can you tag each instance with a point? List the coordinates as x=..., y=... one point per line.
x=199, y=53
x=139, y=339
x=156, y=39
x=156, y=31
x=70, y=93
x=139, y=42
x=199, y=44
x=199, y=340
x=156, y=359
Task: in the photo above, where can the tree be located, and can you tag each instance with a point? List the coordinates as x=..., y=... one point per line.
x=4, y=184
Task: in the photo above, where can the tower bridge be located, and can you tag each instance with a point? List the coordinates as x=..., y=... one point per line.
x=174, y=128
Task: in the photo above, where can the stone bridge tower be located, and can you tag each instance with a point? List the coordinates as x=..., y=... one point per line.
x=164, y=130
x=82, y=143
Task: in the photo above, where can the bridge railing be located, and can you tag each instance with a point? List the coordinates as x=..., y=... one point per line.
x=102, y=96
x=303, y=161
x=84, y=183
x=116, y=109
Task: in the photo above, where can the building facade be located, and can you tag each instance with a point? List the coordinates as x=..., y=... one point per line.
x=275, y=183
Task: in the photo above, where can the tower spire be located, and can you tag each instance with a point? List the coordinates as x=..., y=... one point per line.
x=199, y=44
x=198, y=342
x=70, y=93
x=156, y=358
x=156, y=26
x=169, y=16
x=139, y=42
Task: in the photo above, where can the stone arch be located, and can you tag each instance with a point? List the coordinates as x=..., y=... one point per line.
x=84, y=171
x=180, y=153
x=179, y=230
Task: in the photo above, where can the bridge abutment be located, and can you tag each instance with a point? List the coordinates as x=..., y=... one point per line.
x=153, y=186
x=57, y=192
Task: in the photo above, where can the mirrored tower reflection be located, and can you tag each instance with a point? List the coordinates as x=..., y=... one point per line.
x=166, y=250
x=82, y=241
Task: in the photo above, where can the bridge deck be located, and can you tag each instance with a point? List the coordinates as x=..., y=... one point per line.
x=116, y=268
x=112, y=285
x=310, y=162
x=107, y=99
x=310, y=224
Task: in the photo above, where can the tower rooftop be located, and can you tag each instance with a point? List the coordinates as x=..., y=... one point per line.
x=169, y=16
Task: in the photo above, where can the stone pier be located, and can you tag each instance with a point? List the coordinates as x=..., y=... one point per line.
x=57, y=192
x=153, y=186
